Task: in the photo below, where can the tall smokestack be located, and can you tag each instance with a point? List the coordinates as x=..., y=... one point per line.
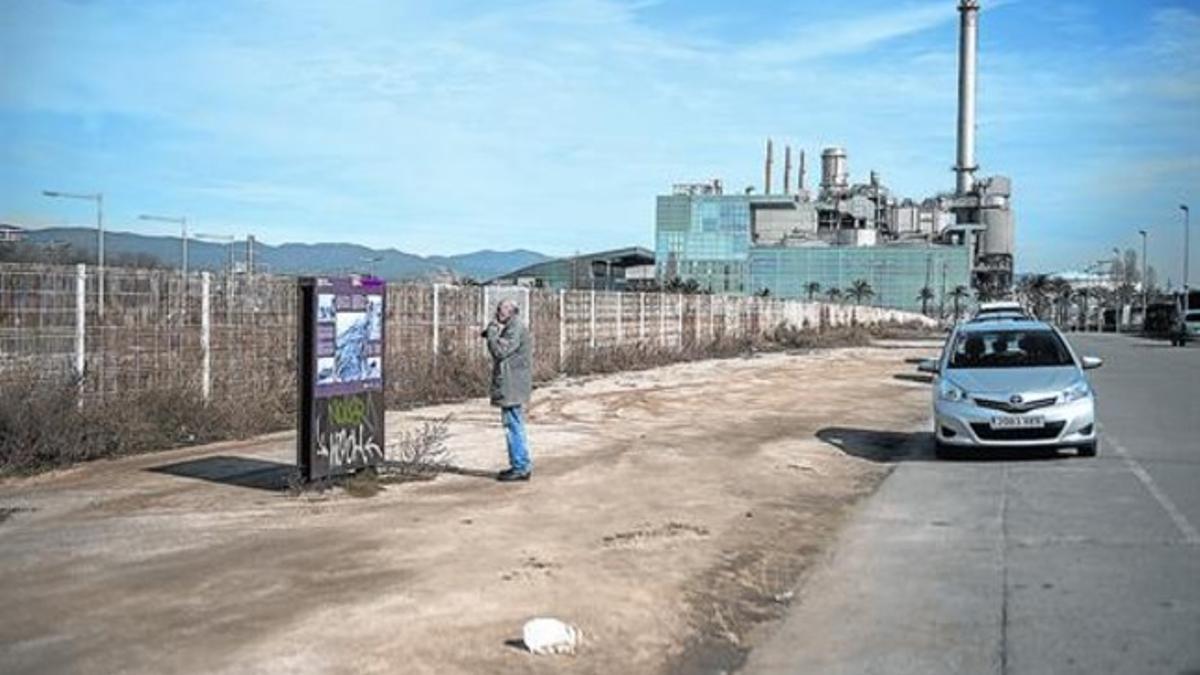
x=767, y=171
x=968, y=38
x=787, y=169
x=800, y=180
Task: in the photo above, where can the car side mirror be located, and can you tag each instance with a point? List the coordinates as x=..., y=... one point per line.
x=1090, y=362
x=928, y=366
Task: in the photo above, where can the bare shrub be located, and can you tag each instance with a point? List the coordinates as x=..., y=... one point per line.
x=787, y=336
x=43, y=425
x=642, y=356
x=457, y=375
x=420, y=453
x=906, y=330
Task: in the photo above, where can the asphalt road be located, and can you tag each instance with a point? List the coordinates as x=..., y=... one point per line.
x=1027, y=564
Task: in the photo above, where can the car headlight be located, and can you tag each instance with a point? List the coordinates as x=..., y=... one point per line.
x=1076, y=391
x=948, y=391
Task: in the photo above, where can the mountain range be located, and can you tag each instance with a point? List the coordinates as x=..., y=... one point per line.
x=297, y=259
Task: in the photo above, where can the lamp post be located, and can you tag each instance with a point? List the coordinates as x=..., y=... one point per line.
x=1101, y=285
x=98, y=198
x=942, y=300
x=227, y=239
x=1187, y=215
x=182, y=223
x=371, y=261
x=1118, y=284
x=1145, y=287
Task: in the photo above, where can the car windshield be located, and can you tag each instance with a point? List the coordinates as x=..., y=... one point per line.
x=1009, y=349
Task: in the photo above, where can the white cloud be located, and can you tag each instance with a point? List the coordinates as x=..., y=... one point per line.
x=439, y=126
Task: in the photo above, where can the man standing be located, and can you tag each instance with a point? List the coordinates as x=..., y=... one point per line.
x=512, y=381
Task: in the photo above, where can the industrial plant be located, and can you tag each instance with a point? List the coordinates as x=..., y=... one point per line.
x=790, y=241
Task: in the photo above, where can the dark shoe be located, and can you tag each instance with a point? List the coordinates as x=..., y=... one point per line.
x=508, y=476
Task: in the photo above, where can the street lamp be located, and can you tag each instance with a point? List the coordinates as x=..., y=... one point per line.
x=227, y=239
x=371, y=261
x=98, y=198
x=1105, y=285
x=1145, y=279
x=182, y=223
x=1187, y=215
x=1118, y=284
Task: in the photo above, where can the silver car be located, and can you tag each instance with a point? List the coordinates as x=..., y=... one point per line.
x=1011, y=383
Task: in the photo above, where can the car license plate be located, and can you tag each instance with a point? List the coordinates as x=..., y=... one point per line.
x=1018, y=422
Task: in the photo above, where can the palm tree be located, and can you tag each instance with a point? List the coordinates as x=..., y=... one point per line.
x=1061, y=290
x=1082, y=295
x=834, y=294
x=860, y=290
x=925, y=295
x=1040, y=287
x=959, y=293
x=812, y=288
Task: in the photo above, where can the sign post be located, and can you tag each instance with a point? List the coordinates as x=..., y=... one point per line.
x=340, y=355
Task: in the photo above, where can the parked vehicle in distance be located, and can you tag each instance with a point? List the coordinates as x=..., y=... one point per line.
x=1010, y=384
x=999, y=316
x=1192, y=321
x=1160, y=319
x=999, y=308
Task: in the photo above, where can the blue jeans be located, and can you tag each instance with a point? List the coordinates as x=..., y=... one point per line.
x=514, y=431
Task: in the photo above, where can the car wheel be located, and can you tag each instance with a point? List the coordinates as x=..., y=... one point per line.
x=1089, y=449
x=944, y=451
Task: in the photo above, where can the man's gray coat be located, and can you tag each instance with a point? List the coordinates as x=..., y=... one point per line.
x=511, y=348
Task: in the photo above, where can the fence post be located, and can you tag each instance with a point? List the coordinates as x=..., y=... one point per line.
x=712, y=320
x=562, y=329
x=592, y=323
x=80, y=323
x=679, y=309
x=662, y=319
x=620, y=310
x=437, y=313
x=205, y=341
x=641, y=318
x=694, y=302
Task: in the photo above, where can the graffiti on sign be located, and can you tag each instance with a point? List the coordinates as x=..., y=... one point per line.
x=346, y=435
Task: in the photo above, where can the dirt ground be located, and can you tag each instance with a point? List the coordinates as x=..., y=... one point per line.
x=671, y=516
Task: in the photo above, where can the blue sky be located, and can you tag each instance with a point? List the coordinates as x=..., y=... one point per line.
x=449, y=126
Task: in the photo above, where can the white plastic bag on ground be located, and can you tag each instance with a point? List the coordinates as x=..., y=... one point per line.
x=550, y=636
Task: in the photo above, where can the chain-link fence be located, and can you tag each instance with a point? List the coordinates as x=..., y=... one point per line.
x=236, y=334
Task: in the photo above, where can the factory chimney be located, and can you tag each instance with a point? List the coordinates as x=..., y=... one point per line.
x=767, y=171
x=968, y=36
x=801, y=178
x=787, y=169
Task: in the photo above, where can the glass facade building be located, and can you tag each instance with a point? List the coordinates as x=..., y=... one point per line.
x=896, y=273
x=708, y=238
x=704, y=237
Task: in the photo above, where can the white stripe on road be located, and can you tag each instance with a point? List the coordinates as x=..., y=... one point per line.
x=1190, y=535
